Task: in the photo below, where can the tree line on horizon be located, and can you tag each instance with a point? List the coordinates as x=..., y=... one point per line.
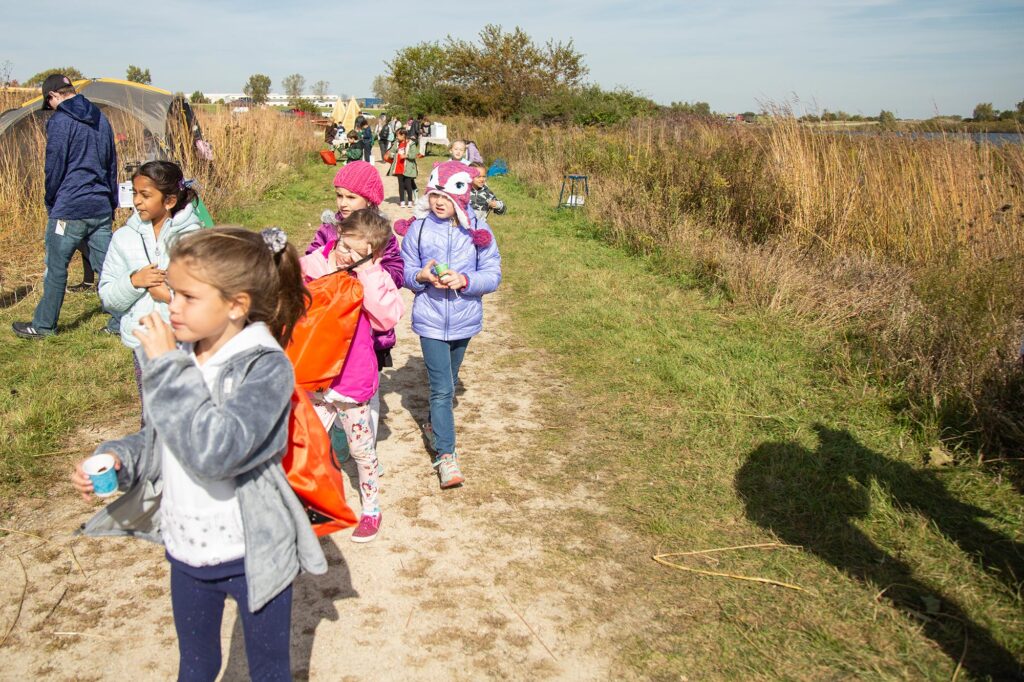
x=507, y=75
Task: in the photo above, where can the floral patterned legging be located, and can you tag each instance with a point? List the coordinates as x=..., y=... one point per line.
x=359, y=421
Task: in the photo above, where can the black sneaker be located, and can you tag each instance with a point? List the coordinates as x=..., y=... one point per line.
x=109, y=331
x=79, y=288
x=25, y=330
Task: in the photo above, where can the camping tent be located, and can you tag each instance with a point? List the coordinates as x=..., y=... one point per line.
x=345, y=114
x=149, y=123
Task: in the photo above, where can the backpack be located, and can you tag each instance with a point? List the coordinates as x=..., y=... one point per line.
x=499, y=167
x=317, y=349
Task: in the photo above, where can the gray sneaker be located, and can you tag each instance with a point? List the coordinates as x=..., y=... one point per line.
x=448, y=471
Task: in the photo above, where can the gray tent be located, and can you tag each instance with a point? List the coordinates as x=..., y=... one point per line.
x=153, y=123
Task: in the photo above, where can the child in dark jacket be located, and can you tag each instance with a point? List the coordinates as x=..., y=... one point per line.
x=482, y=199
x=354, y=150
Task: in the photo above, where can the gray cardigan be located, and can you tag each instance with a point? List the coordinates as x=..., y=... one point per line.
x=239, y=432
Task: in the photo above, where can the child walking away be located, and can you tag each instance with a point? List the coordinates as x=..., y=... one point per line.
x=358, y=186
x=352, y=398
x=451, y=261
x=204, y=476
x=402, y=157
x=133, y=282
x=384, y=126
x=482, y=199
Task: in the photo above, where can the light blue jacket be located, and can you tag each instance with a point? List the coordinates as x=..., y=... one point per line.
x=239, y=431
x=444, y=314
x=133, y=247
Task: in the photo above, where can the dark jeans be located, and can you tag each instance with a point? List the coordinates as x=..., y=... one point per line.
x=198, y=607
x=94, y=233
x=367, y=150
x=383, y=149
x=88, y=274
x=443, y=360
x=406, y=187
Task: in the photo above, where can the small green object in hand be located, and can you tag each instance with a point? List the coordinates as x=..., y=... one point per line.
x=440, y=269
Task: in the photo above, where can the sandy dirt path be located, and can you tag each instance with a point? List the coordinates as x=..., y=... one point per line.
x=459, y=584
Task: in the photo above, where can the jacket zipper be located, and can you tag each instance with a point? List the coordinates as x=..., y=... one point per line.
x=447, y=292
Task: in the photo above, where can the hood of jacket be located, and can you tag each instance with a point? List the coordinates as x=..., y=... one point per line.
x=81, y=109
x=184, y=220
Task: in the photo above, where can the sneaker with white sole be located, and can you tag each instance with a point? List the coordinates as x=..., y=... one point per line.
x=369, y=525
x=448, y=471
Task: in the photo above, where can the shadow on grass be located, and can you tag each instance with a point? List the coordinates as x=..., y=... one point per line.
x=811, y=499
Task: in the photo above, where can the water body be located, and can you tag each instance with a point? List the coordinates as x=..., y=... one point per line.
x=997, y=139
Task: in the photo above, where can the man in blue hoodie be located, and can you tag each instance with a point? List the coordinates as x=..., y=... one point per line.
x=81, y=195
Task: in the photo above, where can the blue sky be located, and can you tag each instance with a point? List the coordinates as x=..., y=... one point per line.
x=915, y=58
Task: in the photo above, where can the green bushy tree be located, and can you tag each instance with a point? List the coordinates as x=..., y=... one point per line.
x=137, y=74
x=257, y=88
x=69, y=71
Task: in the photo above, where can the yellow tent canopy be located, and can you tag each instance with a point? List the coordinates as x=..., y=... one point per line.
x=345, y=114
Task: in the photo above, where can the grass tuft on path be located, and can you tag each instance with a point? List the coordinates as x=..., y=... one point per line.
x=720, y=426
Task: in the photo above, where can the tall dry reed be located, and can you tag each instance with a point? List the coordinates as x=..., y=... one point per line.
x=912, y=250
x=252, y=152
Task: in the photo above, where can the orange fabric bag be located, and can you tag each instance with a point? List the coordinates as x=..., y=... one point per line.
x=328, y=157
x=322, y=338
x=313, y=470
x=317, y=349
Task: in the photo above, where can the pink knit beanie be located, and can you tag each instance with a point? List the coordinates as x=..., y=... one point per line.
x=363, y=179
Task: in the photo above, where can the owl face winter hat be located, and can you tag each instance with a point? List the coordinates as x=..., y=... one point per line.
x=454, y=180
x=363, y=179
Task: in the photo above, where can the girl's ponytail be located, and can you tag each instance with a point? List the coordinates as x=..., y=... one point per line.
x=292, y=297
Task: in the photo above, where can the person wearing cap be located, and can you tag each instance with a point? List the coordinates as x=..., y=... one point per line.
x=81, y=195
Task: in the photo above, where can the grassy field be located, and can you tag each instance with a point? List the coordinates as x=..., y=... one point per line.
x=252, y=152
x=707, y=424
x=718, y=425
x=909, y=250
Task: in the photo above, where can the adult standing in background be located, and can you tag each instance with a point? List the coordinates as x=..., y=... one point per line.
x=81, y=195
x=365, y=136
x=383, y=134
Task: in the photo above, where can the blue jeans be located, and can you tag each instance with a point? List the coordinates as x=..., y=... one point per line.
x=94, y=232
x=443, y=359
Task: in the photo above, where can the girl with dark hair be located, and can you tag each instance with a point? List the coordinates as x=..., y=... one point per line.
x=204, y=476
x=133, y=279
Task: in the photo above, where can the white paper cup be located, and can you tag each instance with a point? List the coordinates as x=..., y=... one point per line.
x=100, y=470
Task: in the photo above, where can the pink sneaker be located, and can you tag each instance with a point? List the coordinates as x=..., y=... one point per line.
x=367, y=529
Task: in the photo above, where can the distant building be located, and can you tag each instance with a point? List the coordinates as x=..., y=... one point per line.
x=273, y=99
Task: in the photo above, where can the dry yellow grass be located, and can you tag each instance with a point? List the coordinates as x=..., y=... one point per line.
x=251, y=152
x=912, y=248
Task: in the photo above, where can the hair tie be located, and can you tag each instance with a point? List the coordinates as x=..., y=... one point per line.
x=184, y=184
x=275, y=239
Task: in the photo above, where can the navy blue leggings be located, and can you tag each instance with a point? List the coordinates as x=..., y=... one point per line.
x=198, y=610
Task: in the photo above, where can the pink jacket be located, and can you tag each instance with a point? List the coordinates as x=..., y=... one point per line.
x=382, y=309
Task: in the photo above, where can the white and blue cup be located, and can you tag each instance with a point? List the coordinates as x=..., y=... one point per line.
x=100, y=470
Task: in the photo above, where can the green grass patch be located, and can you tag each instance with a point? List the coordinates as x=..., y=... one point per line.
x=725, y=426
